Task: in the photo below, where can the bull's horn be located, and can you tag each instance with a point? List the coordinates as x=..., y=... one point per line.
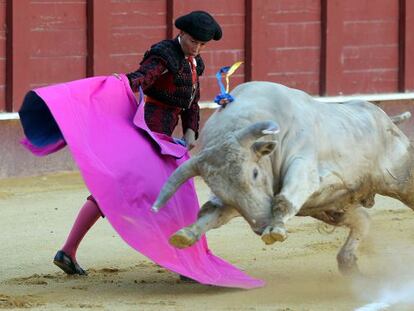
x=399, y=118
x=178, y=177
x=257, y=130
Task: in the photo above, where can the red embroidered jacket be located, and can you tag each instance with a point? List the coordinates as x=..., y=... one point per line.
x=166, y=78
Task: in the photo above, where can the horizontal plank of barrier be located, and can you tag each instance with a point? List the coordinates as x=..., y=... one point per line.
x=340, y=99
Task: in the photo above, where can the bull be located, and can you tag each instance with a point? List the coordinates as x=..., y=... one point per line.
x=276, y=152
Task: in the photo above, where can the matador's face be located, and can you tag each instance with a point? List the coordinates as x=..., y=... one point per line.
x=189, y=45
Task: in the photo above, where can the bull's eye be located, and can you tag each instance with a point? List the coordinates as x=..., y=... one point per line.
x=255, y=173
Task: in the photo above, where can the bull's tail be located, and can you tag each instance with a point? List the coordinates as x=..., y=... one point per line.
x=400, y=118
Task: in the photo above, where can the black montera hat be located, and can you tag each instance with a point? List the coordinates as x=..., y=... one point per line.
x=200, y=25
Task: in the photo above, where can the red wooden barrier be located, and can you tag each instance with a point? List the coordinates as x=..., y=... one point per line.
x=407, y=43
x=2, y=55
x=325, y=47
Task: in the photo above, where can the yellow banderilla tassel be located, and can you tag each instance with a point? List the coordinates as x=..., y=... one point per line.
x=232, y=69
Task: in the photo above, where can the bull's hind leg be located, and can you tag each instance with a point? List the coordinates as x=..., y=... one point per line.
x=357, y=220
x=212, y=215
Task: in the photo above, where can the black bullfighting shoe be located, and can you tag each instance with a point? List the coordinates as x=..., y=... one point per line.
x=186, y=279
x=64, y=262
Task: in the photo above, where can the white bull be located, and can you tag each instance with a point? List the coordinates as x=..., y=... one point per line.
x=275, y=152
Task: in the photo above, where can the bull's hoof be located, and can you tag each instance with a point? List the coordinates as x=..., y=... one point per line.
x=347, y=264
x=349, y=270
x=279, y=234
x=271, y=235
x=183, y=238
x=267, y=238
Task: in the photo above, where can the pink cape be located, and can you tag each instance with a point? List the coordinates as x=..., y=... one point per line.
x=124, y=166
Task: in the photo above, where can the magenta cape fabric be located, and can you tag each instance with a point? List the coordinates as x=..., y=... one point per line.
x=124, y=165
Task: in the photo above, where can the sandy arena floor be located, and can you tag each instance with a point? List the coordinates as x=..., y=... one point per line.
x=301, y=274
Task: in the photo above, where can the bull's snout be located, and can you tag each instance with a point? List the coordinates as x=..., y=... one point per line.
x=258, y=219
x=258, y=227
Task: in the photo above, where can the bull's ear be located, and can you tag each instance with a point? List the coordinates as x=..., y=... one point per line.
x=251, y=133
x=263, y=148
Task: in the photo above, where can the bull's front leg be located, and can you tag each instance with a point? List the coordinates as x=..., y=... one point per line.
x=213, y=214
x=299, y=183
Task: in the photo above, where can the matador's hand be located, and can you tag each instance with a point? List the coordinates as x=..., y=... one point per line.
x=117, y=76
x=189, y=137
